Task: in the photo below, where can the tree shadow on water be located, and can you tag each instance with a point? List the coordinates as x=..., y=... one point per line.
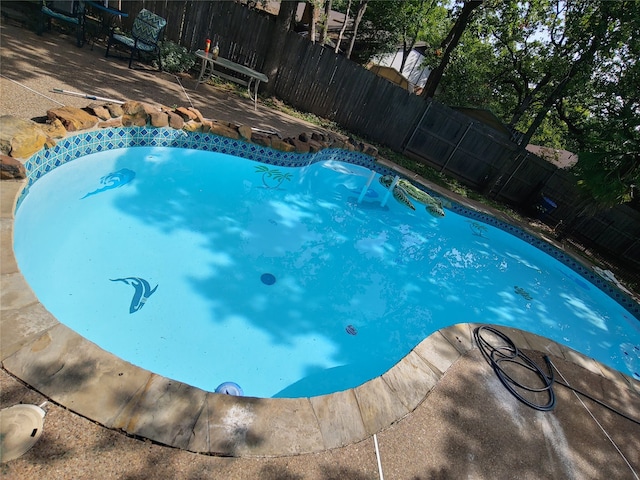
x=293, y=238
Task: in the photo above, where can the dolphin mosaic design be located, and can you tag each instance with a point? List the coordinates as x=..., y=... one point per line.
x=113, y=180
x=405, y=189
x=142, y=294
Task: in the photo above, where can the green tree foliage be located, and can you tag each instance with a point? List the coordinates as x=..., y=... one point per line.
x=609, y=135
x=563, y=72
x=387, y=25
x=449, y=44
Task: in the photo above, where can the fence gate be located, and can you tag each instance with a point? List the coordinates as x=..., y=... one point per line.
x=460, y=146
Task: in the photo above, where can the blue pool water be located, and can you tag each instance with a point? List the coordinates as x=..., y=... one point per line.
x=208, y=268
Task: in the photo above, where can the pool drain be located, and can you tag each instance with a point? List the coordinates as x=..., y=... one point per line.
x=351, y=330
x=268, y=279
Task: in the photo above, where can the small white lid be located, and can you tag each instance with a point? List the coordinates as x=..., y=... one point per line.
x=20, y=428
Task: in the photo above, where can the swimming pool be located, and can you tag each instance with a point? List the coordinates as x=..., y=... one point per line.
x=208, y=268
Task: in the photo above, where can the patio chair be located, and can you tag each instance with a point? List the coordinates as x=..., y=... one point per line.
x=146, y=35
x=69, y=11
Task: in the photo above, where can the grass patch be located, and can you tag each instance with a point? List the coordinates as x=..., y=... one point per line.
x=280, y=106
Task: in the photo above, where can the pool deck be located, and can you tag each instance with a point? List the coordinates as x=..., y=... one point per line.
x=439, y=413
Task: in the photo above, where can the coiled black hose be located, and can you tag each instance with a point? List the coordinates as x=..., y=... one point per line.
x=508, y=352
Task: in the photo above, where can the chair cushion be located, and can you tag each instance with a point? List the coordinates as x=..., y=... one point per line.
x=131, y=43
x=147, y=27
x=60, y=16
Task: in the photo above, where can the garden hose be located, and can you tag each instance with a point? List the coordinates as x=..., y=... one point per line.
x=509, y=353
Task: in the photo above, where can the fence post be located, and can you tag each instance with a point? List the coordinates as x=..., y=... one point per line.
x=628, y=249
x=415, y=129
x=512, y=175
x=446, y=162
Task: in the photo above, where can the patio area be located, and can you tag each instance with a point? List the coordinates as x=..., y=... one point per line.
x=465, y=426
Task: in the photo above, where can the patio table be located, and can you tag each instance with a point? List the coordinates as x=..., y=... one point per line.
x=208, y=70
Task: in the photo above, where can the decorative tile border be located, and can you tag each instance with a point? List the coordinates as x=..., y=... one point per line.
x=622, y=298
x=95, y=141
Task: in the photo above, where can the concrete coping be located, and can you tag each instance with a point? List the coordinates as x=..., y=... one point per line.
x=82, y=377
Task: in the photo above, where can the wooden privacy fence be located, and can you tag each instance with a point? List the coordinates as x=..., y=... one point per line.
x=243, y=35
x=316, y=80
x=459, y=146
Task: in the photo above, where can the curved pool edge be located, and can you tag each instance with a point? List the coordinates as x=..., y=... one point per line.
x=80, y=376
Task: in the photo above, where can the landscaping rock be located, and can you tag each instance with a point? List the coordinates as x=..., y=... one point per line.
x=99, y=111
x=300, y=145
x=73, y=118
x=315, y=147
x=261, y=139
x=111, y=123
x=198, y=115
x=192, y=126
x=20, y=138
x=135, y=114
x=54, y=129
x=186, y=114
x=320, y=137
x=11, y=169
x=159, y=119
x=281, y=145
x=175, y=120
x=370, y=150
x=245, y=131
x=132, y=108
x=115, y=110
x=224, y=130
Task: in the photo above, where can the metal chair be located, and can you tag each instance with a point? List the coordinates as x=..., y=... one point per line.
x=69, y=11
x=146, y=35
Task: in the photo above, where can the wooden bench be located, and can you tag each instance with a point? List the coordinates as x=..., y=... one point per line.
x=239, y=74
